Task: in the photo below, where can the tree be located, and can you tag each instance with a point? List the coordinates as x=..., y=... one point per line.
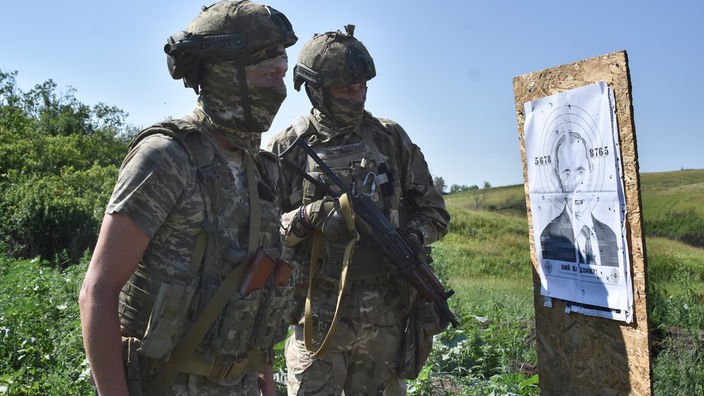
x=439, y=184
x=480, y=195
x=59, y=159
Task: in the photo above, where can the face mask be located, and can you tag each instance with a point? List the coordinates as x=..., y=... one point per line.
x=222, y=98
x=346, y=113
x=336, y=113
x=266, y=90
x=264, y=103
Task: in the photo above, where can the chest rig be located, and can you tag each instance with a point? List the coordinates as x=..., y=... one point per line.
x=167, y=306
x=365, y=163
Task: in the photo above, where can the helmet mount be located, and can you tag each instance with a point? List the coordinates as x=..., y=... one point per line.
x=333, y=58
x=235, y=29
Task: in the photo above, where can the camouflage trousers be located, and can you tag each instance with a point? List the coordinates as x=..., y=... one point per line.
x=192, y=385
x=362, y=356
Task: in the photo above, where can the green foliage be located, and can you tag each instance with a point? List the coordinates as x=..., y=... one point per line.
x=485, y=260
x=674, y=266
x=59, y=161
x=455, y=188
x=672, y=205
x=676, y=300
x=679, y=367
x=41, y=351
x=55, y=214
x=486, y=244
x=687, y=227
x=279, y=366
x=509, y=200
x=439, y=184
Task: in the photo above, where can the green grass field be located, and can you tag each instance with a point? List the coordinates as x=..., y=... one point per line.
x=485, y=259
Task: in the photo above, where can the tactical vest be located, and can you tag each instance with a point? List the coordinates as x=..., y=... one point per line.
x=159, y=303
x=361, y=164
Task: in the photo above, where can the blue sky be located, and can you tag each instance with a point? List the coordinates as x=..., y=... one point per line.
x=444, y=68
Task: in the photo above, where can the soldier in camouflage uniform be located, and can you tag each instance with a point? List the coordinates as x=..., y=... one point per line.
x=194, y=200
x=374, y=156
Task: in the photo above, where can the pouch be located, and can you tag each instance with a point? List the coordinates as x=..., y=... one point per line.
x=168, y=318
x=273, y=317
x=417, y=341
x=237, y=324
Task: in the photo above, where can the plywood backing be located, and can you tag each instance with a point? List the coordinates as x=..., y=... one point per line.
x=579, y=354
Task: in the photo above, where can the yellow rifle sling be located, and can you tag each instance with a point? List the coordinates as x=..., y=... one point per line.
x=348, y=215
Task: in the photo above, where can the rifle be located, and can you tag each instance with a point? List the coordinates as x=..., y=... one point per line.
x=388, y=239
x=261, y=268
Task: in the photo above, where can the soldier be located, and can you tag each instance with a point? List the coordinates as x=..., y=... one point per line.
x=194, y=212
x=360, y=351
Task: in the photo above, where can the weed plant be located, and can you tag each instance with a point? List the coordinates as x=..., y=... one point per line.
x=41, y=350
x=484, y=258
x=676, y=300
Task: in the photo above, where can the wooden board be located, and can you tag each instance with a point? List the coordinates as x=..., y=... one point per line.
x=579, y=354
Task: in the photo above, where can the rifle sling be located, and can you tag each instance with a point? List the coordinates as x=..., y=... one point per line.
x=184, y=350
x=348, y=215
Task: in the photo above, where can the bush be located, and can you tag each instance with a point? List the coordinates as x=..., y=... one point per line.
x=687, y=227
x=59, y=161
x=51, y=216
x=41, y=350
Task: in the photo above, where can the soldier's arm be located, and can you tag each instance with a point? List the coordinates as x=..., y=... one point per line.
x=120, y=246
x=426, y=214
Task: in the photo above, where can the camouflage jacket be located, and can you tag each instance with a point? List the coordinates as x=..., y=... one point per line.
x=378, y=159
x=176, y=199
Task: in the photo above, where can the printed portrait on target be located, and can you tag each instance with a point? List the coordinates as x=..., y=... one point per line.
x=577, y=201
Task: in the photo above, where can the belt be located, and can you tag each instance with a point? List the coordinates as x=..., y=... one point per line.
x=213, y=367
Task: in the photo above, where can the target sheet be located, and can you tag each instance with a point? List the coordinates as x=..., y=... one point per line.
x=577, y=201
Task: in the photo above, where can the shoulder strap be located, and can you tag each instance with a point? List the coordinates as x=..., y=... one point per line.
x=348, y=215
x=189, y=139
x=184, y=350
x=203, y=159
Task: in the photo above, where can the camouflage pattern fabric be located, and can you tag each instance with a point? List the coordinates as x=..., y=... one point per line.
x=362, y=355
x=158, y=182
x=337, y=58
x=221, y=96
x=198, y=386
x=364, y=350
x=344, y=115
x=253, y=22
x=158, y=189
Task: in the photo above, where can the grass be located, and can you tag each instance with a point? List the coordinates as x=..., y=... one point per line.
x=488, y=249
x=483, y=243
x=41, y=350
x=484, y=258
x=675, y=266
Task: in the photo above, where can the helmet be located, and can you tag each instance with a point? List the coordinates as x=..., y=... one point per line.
x=238, y=29
x=333, y=58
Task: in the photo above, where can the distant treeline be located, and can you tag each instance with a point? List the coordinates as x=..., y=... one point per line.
x=59, y=159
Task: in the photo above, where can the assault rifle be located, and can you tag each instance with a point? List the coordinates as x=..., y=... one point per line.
x=388, y=239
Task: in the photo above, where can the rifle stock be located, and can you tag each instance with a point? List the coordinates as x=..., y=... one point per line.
x=390, y=241
x=260, y=267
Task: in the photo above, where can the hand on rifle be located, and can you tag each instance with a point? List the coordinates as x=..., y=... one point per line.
x=324, y=215
x=414, y=240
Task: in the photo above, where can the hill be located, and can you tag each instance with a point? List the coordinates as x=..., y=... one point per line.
x=485, y=259
x=671, y=203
